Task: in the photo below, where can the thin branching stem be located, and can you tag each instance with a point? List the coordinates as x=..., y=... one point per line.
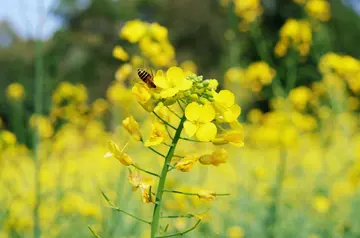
x=157, y=152
x=145, y=171
x=129, y=214
x=165, y=122
x=178, y=216
x=188, y=139
x=183, y=232
x=172, y=111
x=195, y=194
x=93, y=232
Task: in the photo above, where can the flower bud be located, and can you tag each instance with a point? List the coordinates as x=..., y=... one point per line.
x=206, y=195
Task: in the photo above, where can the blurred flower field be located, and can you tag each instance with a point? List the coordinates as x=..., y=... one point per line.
x=193, y=156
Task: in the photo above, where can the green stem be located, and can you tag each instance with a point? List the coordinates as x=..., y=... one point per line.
x=93, y=232
x=182, y=233
x=195, y=194
x=145, y=171
x=273, y=208
x=161, y=184
x=129, y=214
x=165, y=122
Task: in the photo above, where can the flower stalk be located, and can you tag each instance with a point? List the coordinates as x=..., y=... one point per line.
x=161, y=184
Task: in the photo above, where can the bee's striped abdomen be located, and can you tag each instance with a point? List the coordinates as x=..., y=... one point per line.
x=146, y=78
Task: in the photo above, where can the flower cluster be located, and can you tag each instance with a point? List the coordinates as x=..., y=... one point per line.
x=295, y=34
x=152, y=40
x=248, y=11
x=255, y=76
x=317, y=9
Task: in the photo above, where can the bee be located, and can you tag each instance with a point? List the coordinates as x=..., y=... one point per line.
x=146, y=78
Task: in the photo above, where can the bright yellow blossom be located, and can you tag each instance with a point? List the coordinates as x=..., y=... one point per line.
x=132, y=126
x=235, y=136
x=224, y=102
x=173, y=82
x=198, y=121
x=115, y=151
x=123, y=72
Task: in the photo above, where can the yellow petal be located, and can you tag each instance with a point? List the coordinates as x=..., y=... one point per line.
x=185, y=85
x=207, y=113
x=170, y=92
x=206, y=132
x=175, y=75
x=190, y=128
x=192, y=111
x=225, y=98
x=161, y=82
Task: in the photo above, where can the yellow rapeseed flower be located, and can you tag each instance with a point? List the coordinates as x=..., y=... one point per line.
x=115, y=151
x=219, y=156
x=132, y=126
x=173, y=82
x=158, y=32
x=145, y=187
x=158, y=134
x=134, y=30
x=134, y=179
x=123, y=72
x=199, y=121
x=187, y=163
x=235, y=136
x=15, y=91
x=300, y=97
x=321, y=204
x=224, y=102
x=120, y=54
x=318, y=9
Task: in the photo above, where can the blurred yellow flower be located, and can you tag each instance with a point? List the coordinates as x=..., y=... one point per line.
x=141, y=93
x=8, y=137
x=206, y=195
x=134, y=179
x=189, y=66
x=187, y=163
x=300, y=97
x=117, y=94
x=234, y=74
x=198, y=121
x=99, y=107
x=120, y=54
x=15, y=91
x=158, y=32
x=236, y=231
x=42, y=125
x=318, y=9
x=294, y=33
x=235, y=136
x=132, y=126
x=219, y=156
x=257, y=75
x=123, y=72
x=133, y=30
x=321, y=204
x=115, y=151
x=173, y=82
